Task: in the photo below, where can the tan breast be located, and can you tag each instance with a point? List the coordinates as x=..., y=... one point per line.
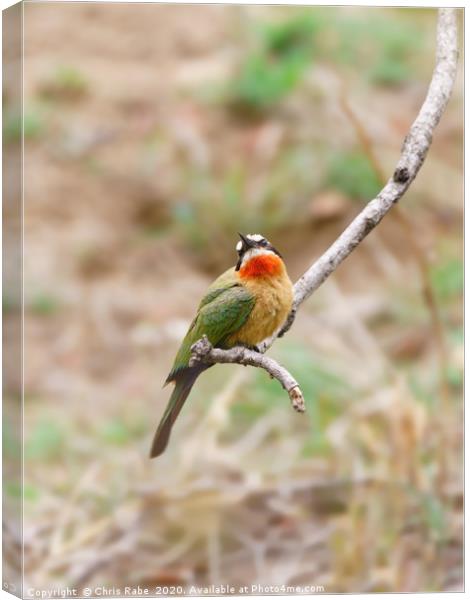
x=274, y=297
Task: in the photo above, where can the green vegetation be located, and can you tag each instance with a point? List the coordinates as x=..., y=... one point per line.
x=33, y=125
x=352, y=174
x=398, y=43
x=120, y=432
x=448, y=279
x=435, y=516
x=16, y=491
x=262, y=83
x=286, y=49
x=390, y=71
x=270, y=70
x=66, y=83
x=70, y=78
x=46, y=441
x=275, y=66
x=423, y=391
x=44, y=305
x=287, y=37
x=455, y=377
x=10, y=304
x=217, y=201
x=382, y=48
x=323, y=390
x=209, y=214
x=10, y=443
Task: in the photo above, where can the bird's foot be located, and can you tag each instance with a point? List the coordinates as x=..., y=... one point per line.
x=251, y=347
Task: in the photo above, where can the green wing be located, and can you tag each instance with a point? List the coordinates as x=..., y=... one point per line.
x=221, y=284
x=221, y=312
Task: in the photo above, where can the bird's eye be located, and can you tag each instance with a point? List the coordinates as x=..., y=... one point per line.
x=263, y=242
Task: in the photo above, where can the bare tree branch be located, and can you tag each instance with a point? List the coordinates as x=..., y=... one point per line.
x=203, y=351
x=413, y=153
x=414, y=150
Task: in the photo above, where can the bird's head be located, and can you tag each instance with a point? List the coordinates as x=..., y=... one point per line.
x=257, y=257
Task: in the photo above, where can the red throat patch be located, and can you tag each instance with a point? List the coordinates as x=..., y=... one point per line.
x=265, y=265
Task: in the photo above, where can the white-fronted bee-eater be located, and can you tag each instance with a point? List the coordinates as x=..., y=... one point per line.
x=242, y=307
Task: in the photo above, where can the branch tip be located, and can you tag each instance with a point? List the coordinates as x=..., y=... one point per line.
x=297, y=399
x=203, y=352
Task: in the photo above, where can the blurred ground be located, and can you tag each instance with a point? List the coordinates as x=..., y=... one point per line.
x=154, y=134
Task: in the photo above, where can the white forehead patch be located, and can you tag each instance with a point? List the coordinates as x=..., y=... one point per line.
x=238, y=247
x=256, y=237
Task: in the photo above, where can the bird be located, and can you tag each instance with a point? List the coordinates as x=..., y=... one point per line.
x=242, y=307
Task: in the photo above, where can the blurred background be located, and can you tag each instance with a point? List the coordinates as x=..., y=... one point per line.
x=153, y=134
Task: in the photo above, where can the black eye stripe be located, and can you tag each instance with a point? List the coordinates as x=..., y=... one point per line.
x=261, y=243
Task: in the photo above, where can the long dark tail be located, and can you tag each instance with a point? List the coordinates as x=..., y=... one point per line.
x=184, y=381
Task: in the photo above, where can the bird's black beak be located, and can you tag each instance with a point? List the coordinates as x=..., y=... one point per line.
x=247, y=243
